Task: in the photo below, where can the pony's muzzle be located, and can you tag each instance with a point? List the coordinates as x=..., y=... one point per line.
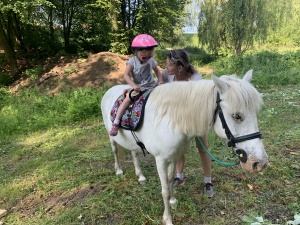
x=251, y=163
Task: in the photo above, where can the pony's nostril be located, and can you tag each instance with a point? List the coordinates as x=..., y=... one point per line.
x=257, y=167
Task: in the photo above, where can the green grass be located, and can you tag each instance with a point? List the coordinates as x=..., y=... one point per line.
x=56, y=167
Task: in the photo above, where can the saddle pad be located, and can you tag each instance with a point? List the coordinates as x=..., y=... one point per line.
x=137, y=114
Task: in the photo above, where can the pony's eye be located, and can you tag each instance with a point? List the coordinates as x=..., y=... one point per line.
x=237, y=117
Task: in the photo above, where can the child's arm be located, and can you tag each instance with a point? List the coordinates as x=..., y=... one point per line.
x=128, y=79
x=159, y=75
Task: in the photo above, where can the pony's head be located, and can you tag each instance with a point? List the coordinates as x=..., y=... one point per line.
x=236, y=119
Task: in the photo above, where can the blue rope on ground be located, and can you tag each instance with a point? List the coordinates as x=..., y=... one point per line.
x=213, y=158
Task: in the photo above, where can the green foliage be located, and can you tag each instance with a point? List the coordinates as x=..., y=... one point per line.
x=82, y=104
x=197, y=56
x=270, y=68
x=92, y=29
x=3, y=95
x=32, y=111
x=160, y=56
x=233, y=24
x=5, y=79
x=34, y=73
x=42, y=44
x=119, y=47
x=163, y=25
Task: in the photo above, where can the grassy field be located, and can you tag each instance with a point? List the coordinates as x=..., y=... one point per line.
x=56, y=167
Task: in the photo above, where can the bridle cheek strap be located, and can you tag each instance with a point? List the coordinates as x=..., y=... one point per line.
x=233, y=140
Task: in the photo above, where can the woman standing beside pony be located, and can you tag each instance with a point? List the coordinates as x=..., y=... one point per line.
x=178, y=68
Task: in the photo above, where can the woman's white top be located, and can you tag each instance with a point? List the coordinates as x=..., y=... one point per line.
x=170, y=78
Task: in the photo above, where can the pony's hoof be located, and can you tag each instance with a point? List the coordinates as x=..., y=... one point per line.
x=142, y=180
x=173, y=202
x=119, y=172
x=167, y=222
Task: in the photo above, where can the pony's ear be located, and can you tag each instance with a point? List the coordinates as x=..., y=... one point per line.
x=220, y=84
x=248, y=76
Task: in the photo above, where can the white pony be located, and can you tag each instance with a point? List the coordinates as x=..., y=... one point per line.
x=176, y=112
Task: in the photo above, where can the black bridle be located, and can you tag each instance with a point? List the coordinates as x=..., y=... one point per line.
x=233, y=140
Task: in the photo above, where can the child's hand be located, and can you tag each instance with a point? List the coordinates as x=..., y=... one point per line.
x=160, y=82
x=136, y=88
x=125, y=92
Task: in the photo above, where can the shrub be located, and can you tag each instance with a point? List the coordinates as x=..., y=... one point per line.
x=270, y=68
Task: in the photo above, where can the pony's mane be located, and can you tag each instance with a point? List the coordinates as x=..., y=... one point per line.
x=190, y=105
x=243, y=97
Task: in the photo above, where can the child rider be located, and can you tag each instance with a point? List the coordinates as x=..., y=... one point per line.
x=138, y=73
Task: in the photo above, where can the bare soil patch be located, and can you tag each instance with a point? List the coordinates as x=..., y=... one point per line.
x=66, y=72
x=31, y=204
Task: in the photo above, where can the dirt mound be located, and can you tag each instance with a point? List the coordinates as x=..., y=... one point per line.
x=66, y=72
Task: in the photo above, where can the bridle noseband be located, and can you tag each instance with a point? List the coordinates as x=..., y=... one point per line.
x=233, y=140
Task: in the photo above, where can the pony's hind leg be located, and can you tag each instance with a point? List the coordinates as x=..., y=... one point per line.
x=116, y=150
x=171, y=175
x=138, y=171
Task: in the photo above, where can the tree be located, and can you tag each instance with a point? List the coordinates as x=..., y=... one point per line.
x=163, y=19
x=285, y=24
x=12, y=14
x=7, y=40
x=233, y=24
x=160, y=18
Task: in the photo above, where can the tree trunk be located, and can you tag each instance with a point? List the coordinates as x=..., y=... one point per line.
x=51, y=28
x=112, y=14
x=8, y=46
x=18, y=33
x=238, y=50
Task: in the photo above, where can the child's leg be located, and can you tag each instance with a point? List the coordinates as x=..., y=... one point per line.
x=123, y=107
x=120, y=112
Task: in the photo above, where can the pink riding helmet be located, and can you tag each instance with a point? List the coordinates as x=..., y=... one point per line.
x=144, y=41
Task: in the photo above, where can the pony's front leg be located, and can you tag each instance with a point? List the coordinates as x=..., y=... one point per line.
x=115, y=150
x=165, y=171
x=138, y=171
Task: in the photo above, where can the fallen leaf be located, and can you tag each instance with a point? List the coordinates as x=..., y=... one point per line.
x=250, y=187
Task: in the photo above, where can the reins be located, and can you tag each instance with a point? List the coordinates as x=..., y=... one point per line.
x=212, y=157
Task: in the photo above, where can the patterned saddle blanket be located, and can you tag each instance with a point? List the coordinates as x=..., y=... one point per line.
x=131, y=120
